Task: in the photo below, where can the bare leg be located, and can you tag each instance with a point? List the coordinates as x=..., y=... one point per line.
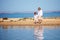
x=40, y=21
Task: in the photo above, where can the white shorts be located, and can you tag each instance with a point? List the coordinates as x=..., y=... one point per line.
x=40, y=18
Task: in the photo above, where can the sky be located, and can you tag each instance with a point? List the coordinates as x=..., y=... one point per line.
x=29, y=5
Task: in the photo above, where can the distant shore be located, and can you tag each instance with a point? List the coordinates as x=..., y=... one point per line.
x=29, y=22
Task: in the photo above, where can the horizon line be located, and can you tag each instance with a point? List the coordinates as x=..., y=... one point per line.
x=29, y=11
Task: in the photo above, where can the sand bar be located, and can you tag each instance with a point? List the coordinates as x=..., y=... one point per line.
x=29, y=22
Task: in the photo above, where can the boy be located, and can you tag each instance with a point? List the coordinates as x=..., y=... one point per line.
x=35, y=18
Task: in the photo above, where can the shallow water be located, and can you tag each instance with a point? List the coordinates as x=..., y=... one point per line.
x=28, y=33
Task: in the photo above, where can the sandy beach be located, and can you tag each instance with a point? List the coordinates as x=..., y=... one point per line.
x=30, y=21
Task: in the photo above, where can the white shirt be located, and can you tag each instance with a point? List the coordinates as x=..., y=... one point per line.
x=36, y=17
x=40, y=13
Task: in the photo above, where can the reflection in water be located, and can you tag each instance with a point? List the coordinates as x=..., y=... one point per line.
x=16, y=33
x=38, y=33
x=29, y=33
x=5, y=27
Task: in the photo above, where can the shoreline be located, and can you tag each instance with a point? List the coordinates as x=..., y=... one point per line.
x=29, y=22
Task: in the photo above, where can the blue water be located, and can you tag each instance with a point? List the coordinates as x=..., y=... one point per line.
x=16, y=33
x=22, y=33
x=26, y=15
x=52, y=33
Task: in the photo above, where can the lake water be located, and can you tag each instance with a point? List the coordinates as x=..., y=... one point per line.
x=27, y=15
x=29, y=33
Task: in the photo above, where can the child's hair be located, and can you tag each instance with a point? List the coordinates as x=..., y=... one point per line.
x=35, y=13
